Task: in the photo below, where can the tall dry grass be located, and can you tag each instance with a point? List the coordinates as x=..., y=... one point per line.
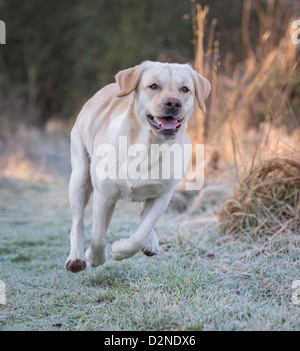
x=252, y=125
x=248, y=95
x=267, y=200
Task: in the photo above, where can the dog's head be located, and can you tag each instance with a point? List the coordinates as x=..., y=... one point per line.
x=165, y=94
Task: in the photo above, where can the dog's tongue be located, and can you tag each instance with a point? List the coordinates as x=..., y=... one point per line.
x=167, y=122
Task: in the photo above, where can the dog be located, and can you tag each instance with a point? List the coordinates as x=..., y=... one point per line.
x=150, y=103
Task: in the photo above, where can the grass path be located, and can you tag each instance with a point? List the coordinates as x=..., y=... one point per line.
x=182, y=289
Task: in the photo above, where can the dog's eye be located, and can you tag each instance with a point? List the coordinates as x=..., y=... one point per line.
x=153, y=86
x=185, y=89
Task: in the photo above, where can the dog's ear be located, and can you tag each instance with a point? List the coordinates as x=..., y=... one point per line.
x=129, y=79
x=202, y=89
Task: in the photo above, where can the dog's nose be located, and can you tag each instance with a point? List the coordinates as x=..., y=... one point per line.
x=173, y=105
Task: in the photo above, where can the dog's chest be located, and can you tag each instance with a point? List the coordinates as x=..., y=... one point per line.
x=140, y=190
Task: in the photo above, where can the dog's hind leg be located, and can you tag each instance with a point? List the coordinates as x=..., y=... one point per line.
x=80, y=189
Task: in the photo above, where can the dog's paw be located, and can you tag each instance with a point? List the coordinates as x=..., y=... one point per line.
x=75, y=266
x=152, y=252
x=123, y=248
x=152, y=247
x=95, y=259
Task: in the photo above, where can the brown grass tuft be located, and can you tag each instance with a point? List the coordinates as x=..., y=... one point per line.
x=267, y=201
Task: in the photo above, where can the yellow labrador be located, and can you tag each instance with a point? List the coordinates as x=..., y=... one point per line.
x=149, y=104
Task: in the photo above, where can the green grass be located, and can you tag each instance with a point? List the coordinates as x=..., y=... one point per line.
x=182, y=289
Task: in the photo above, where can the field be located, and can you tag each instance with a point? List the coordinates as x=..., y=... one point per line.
x=232, y=249
x=203, y=281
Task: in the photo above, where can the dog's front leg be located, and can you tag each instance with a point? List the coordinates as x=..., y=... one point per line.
x=80, y=189
x=102, y=213
x=154, y=208
x=152, y=246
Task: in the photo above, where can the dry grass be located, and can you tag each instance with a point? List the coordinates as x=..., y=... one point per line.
x=253, y=92
x=267, y=201
x=252, y=118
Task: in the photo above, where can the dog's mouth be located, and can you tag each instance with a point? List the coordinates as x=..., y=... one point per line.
x=166, y=123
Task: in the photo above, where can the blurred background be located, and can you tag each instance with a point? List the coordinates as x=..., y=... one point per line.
x=59, y=53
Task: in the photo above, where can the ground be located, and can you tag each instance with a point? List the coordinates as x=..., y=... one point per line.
x=203, y=281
